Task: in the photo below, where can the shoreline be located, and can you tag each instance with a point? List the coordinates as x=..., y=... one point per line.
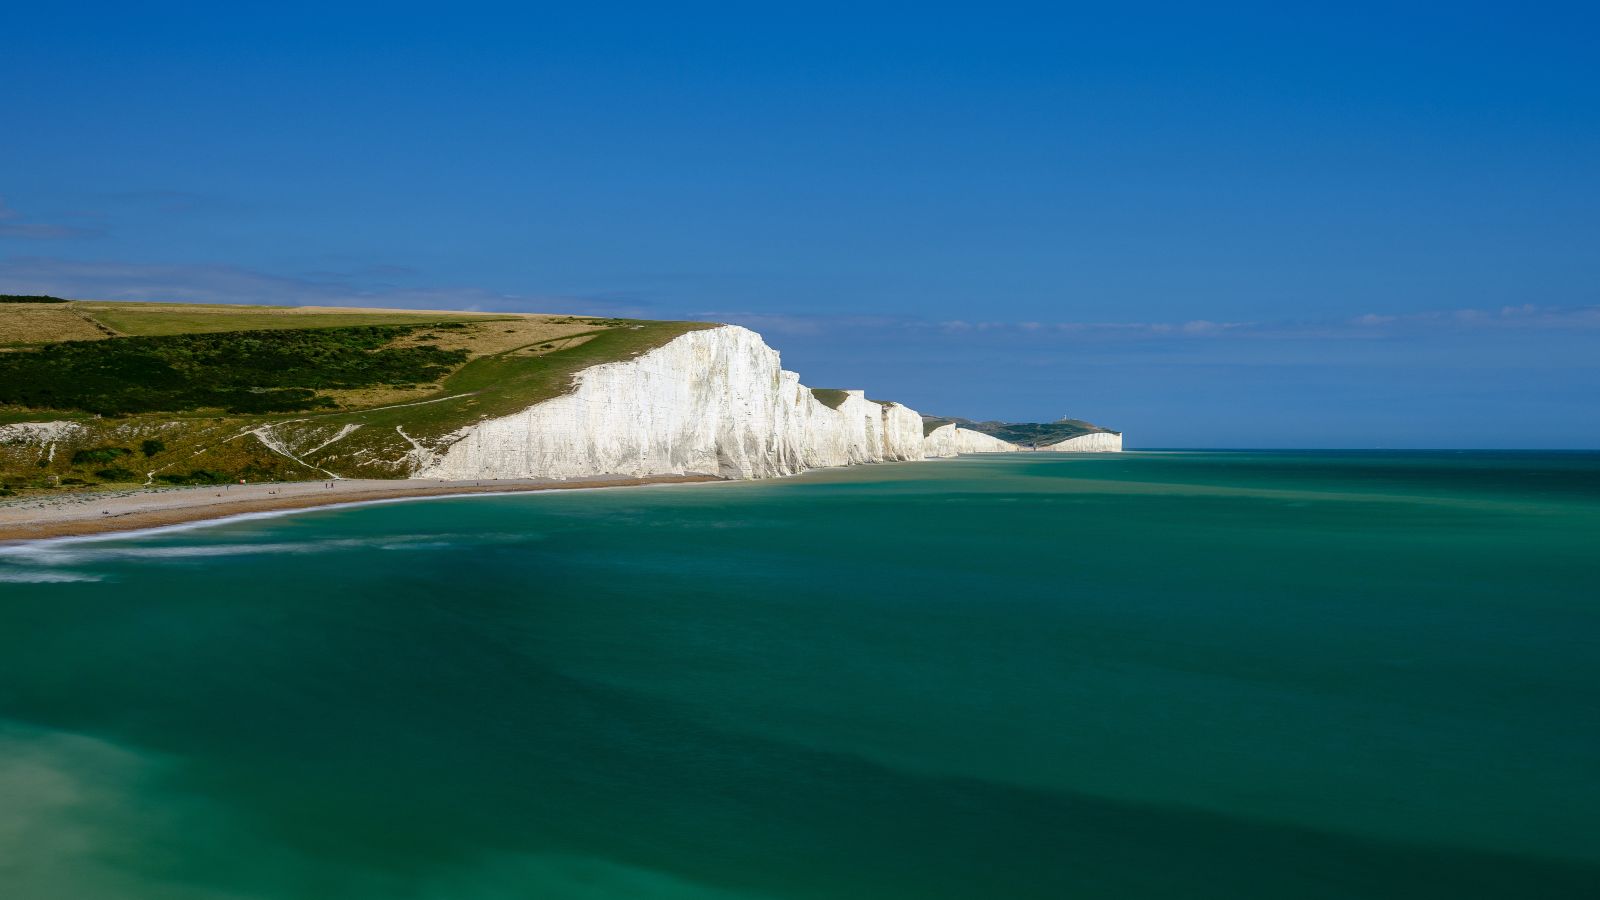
x=85, y=515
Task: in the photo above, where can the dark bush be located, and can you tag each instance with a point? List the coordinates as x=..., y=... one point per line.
x=286, y=400
x=118, y=473
x=239, y=371
x=99, y=455
x=197, y=476
x=151, y=447
x=29, y=298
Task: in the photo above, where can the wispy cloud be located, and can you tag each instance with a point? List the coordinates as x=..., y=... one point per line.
x=1367, y=326
x=779, y=323
x=189, y=283
x=171, y=202
x=13, y=225
x=1527, y=315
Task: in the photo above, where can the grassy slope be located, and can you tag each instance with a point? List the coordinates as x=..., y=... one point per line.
x=832, y=398
x=503, y=378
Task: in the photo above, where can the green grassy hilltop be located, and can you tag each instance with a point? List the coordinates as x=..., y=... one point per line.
x=195, y=394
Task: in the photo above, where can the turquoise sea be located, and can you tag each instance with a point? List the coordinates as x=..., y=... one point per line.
x=1175, y=675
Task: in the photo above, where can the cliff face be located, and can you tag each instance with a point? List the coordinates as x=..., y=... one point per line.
x=1100, y=442
x=948, y=440
x=713, y=402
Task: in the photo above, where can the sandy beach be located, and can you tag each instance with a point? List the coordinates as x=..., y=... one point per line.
x=32, y=518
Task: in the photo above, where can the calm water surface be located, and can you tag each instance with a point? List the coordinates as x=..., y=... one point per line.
x=1184, y=675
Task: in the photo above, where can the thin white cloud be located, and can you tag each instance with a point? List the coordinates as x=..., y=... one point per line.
x=172, y=202
x=12, y=225
x=183, y=283
x=775, y=323
x=1525, y=316
x=1368, y=326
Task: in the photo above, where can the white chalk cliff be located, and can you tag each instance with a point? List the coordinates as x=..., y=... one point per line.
x=714, y=401
x=1098, y=442
x=949, y=440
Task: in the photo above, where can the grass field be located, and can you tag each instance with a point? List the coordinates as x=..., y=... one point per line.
x=152, y=319
x=88, y=320
x=37, y=323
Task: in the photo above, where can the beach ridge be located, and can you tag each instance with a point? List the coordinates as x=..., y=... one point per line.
x=75, y=515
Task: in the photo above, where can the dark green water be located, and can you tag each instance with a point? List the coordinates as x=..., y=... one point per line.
x=1187, y=675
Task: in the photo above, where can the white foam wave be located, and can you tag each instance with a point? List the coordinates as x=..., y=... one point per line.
x=16, y=577
x=78, y=554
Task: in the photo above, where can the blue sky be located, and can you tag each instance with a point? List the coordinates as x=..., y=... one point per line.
x=1341, y=225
